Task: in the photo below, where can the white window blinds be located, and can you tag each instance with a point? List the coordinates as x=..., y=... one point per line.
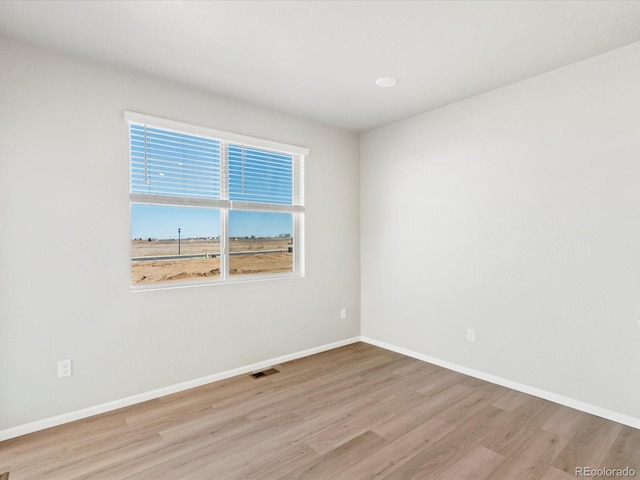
x=174, y=164
x=201, y=167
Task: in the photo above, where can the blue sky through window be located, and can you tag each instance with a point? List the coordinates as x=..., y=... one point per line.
x=260, y=224
x=163, y=221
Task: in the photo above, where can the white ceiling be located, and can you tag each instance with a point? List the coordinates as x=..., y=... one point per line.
x=320, y=59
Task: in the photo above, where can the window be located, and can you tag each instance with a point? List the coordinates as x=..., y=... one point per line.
x=210, y=207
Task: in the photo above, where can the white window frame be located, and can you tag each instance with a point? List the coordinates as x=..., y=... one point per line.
x=224, y=205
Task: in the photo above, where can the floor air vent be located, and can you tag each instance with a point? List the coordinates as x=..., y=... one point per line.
x=264, y=373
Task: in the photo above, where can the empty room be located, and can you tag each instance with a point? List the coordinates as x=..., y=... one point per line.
x=319, y=240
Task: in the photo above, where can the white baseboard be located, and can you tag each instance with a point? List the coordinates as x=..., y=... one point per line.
x=537, y=392
x=143, y=397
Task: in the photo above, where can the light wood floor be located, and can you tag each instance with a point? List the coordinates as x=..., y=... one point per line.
x=352, y=413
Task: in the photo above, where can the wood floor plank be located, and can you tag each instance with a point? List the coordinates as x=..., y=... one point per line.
x=565, y=422
x=433, y=461
x=527, y=419
x=334, y=461
x=268, y=447
x=401, y=401
x=411, y=381
x=324, y=402
x=474, y=382
x=624, y=452
x=358, y=361
x=439, y=381
x=512, y=400
x=54, y=447
x=277, y=466
x=205, y=424
x=48, y=441
x=403, y=423
x=201, y=466
x=397, y=452
x=221, y=469
x=309, y=394
x=352, y=427
x=212, y=448
x=76, y=465
x=357, y=412
x=423, y=368
x=478, y=464
x=553, y=473
x=387, y=368
x=532, y=460
x=466, y=408
x=173, y=452
x=238, y=434
x=589, y=445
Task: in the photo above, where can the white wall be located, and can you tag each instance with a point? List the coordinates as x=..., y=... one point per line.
x=64, y=244
x=517, y=213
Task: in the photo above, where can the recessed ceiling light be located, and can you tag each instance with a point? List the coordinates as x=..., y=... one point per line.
x=386, y=82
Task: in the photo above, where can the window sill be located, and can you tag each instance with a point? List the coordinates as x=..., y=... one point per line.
x=208, y=283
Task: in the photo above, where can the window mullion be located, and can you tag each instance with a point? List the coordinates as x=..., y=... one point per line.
x=224, y=213
x=224, y=244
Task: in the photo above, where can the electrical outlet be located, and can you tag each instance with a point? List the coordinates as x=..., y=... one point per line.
x=65, y=368
x=471, y=334
x=343, y=314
